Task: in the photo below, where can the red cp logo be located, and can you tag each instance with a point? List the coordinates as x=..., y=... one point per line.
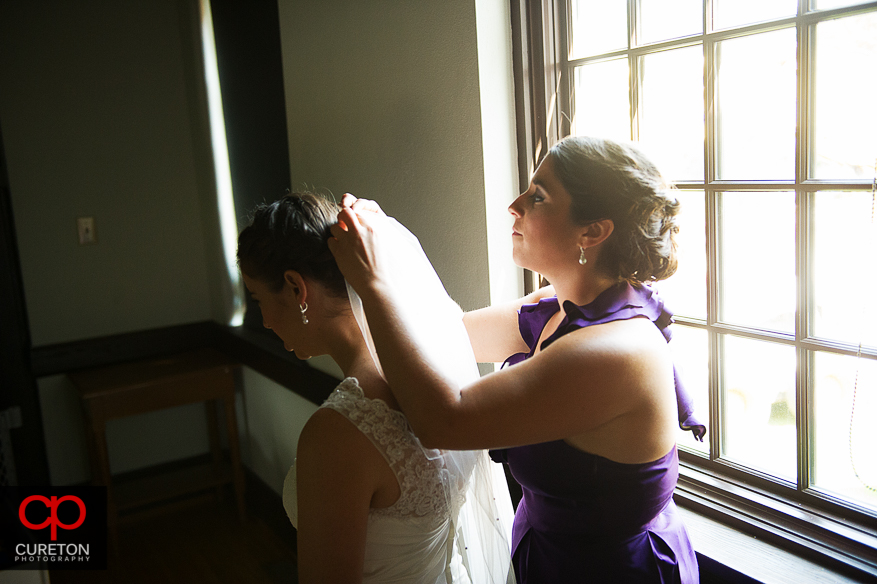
x=52, y=506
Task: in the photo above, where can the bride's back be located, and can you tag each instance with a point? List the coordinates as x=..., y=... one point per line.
x=410, y=540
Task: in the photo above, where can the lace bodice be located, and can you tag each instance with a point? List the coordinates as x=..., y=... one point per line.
x=420, y=471
x=412, y=540
x=427, y=494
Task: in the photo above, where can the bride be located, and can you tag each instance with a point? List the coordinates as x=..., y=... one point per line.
x=369, y=502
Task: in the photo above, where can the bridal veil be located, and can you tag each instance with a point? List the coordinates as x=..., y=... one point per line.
x=481, y=509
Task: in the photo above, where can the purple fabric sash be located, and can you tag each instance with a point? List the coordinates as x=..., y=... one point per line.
x=620, y=302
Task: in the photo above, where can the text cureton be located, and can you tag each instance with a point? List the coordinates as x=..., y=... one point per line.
x=52, y=549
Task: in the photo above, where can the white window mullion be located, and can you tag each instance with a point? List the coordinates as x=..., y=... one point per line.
x=712, y=239
x=803, y=151
x=804, y=391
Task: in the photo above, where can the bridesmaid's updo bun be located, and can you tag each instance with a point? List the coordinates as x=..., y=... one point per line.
x=610, y=180
x=291, y=234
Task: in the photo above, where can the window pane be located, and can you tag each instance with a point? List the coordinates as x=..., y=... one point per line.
x=671, y=120
x=828, y=4
x=845, y=85
x=729, y=13
x=756, y=106
x=758, y=406
x=669, y=19
x=597, y=27
x=602, y=100
x=685, y=291
x=845, y=432
x=690, y=348
x=843, y=237
x=757, y=260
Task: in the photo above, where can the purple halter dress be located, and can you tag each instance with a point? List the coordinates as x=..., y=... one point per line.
x=585, y=518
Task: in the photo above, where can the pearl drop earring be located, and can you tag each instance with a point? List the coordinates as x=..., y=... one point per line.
x=582, y=259
x=304, y=309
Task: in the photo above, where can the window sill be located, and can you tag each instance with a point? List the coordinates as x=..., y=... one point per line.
x=755, y=536
x=730, y=555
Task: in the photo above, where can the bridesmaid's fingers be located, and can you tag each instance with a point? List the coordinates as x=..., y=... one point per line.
x=368, y=205
x=348, y=200
x=353, y=246
x=361, y=205
x=338, y=228
x=348, y=224
x=351, y=220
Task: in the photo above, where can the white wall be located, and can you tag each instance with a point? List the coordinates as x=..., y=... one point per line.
x=270, y=418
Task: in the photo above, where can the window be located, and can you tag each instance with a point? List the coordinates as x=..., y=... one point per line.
x=763, y=114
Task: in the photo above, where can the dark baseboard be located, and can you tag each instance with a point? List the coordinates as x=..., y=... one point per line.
x=110, y=350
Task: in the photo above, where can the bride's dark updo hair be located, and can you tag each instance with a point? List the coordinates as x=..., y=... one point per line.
x=291, y=234
x=610, y=180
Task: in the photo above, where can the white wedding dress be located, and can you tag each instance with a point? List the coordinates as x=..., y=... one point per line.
x=413, y=540
x=452, y=521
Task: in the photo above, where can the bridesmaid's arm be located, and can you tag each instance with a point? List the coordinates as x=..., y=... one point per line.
x=618, y=372
x=585, y=379
x=336, y=478
x=494, y=331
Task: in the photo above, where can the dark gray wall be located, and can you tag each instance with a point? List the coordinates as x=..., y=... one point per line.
x=103, y=115
x=97, y=122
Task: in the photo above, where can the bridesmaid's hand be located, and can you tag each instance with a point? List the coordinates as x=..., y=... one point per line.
x=361, y=205
x=355, y=243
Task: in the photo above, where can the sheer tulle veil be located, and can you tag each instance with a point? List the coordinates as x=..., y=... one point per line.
x=476, y=488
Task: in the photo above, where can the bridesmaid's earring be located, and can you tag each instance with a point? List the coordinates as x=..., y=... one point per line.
x=582, y=259
x=304, y=309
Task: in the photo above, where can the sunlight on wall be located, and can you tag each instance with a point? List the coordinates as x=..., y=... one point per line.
x=499, y=148
x=224, y=197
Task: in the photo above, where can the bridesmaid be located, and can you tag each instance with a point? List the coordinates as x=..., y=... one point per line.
x=585, y=409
